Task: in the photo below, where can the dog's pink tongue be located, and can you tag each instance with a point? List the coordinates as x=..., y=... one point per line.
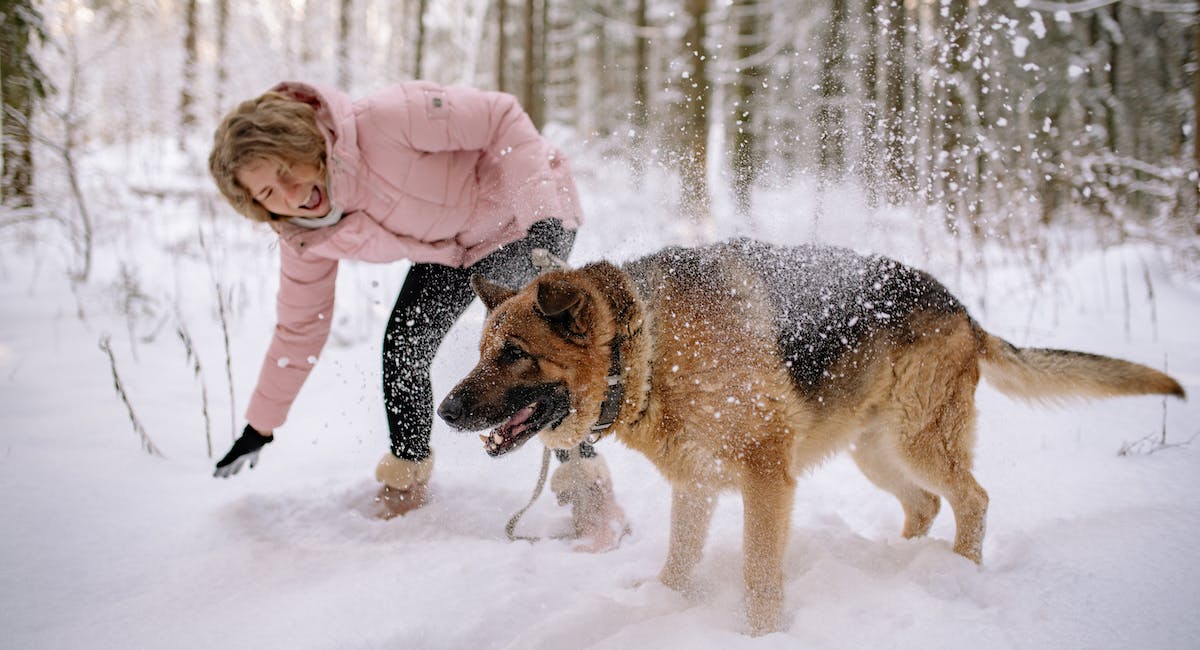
x=500, y=435
x=520, y=417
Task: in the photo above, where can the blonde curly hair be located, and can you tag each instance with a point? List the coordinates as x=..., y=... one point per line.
x=273, y=127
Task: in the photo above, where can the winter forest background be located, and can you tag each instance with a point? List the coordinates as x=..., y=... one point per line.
x=1000, y=118
x=1039, y=156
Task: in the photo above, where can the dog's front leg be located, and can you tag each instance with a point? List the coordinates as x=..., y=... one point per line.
x=691, y=512
x=767, y=501
x=584, y=483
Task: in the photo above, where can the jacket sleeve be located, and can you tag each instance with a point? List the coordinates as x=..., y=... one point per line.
x=304, y=313
x=432, y=118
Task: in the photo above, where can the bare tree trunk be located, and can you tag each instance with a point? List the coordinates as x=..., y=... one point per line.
x=22, y=84
x=67, y=151
x=895, y=67
x=70, y=125
x=346, y=7
x=418, y=62
x=1114, y=87
x=532, y=97
x=831, y=114
x=869, y=167
x=529, y=62
x=746, y=158
x=1196, y=94
x=953, y=125
x=696, y=200
x=641, y=92
x=923, y=103
x=1195, y=176
x=397, y=45
x=191, y=57
x=501, y=45
x=560, y=47
x=222, y=42
x=304, y=45
x=598, y=105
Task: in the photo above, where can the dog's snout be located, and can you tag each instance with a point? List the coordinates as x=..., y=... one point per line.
x=451, y=409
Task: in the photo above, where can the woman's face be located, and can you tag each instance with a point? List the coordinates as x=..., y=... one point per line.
x=295, y=191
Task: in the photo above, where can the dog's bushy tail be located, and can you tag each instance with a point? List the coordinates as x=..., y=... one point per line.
x=1042, y=374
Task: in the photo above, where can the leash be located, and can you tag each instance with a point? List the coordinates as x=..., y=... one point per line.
x=542, y=260
x=537, y=492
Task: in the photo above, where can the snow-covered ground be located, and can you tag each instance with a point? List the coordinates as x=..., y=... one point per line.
x=105, y=546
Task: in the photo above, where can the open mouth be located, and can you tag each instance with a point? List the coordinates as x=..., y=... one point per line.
x=542, y=414
x=511, y=434
x=314, y=199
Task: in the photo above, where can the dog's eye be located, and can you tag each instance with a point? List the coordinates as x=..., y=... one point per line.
x=511, y=354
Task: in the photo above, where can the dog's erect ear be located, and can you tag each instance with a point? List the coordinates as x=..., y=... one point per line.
x=489, y=292
x=563, y=303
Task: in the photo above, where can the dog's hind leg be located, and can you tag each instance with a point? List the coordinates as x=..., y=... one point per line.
x=691, y=513
x=939, y=456
x=767, y=496
x=931, y=413
x=875, y=454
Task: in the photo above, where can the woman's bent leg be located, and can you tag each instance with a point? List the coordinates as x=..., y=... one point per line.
x=432, y=299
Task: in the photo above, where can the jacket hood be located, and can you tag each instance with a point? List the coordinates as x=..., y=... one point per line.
x=335, y=118
x=334, y=108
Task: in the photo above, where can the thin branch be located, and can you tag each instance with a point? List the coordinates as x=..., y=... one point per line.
x=198, y=373
x=1149, y=445
x=16, y=216
x=222, y=312
x=1161, y=6
x=143, y=437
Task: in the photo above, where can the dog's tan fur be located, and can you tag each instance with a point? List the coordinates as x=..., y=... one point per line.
x=712, y=402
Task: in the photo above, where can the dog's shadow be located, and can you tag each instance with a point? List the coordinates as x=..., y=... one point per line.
x=830, y=563
x=837, y=563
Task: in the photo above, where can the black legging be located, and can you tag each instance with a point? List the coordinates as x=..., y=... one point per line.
x=431, y=300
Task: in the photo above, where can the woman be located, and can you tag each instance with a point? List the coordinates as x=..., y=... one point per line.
x=456, y=180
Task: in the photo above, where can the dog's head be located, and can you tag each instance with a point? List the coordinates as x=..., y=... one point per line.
x=543, y=359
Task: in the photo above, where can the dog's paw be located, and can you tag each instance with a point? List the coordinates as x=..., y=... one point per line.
x=764, y=620
x=604, y=536
x=653, y=585
x=682, y=584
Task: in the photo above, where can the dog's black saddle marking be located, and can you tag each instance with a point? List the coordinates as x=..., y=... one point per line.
x=826, y=300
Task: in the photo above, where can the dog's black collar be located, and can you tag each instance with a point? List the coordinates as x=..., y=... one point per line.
x=614, y=397
x=615, y=394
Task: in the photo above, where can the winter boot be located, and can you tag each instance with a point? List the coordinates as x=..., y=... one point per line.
x=405, y=485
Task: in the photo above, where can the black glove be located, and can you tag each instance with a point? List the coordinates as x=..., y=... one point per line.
x=245, y=449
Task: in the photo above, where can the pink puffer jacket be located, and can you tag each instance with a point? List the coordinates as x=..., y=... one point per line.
x=423, y=172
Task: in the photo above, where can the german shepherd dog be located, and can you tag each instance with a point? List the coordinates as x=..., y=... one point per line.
x=740, y=365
